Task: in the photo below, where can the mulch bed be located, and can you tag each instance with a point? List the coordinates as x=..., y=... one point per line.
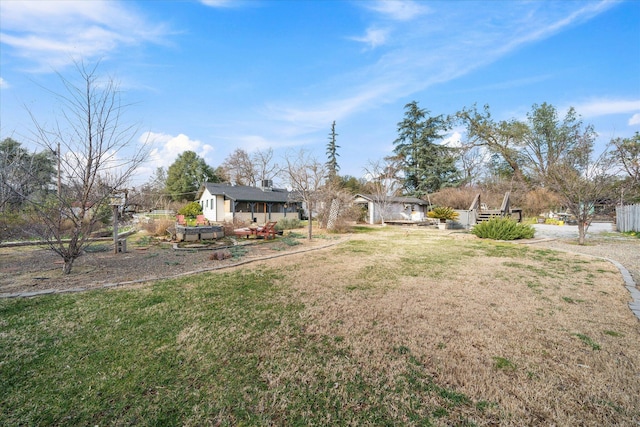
x=36, y=269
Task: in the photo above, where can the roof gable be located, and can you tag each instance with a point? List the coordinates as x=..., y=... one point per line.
x=243, y=193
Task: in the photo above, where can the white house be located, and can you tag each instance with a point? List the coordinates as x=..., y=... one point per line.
x=225, y=202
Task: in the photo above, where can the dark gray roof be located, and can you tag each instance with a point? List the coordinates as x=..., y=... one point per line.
x=242, y=193
x=411, y=200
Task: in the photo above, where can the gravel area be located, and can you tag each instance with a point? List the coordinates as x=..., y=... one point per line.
x=601, y=241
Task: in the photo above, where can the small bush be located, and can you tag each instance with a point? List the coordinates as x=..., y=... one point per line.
x=290, y=240
x=503, y=229
x=220, y=255
x=191, y=210
x=288, y=224
x=229, y=226
x=97, y=248
x=341, y=226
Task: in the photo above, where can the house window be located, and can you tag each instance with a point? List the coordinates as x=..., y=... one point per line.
x=212, y=204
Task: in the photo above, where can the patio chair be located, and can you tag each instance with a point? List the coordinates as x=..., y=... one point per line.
x=180, y=220
x=201, y=220
x=268, y=231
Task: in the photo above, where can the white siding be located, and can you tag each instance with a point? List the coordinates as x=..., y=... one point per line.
x=209, y=206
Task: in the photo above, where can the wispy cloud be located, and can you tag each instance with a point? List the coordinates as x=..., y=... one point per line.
x=221, y=3
x=547, y=21
x=52, y=34
x=634, y=120
x=608, y=107
x=373, y=37
x=400, y=10
x=435, y=45
x=3, y=84
x=516, y=83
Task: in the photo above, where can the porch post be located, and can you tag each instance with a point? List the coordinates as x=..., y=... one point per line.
x=372, y=213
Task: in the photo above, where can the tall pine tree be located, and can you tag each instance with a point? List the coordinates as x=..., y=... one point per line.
x=427, y=165
x=332, y=154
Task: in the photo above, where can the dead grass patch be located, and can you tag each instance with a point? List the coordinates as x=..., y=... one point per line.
x=490, y=320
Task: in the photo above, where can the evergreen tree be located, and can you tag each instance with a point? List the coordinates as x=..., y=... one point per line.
x=332, y=154
x=186, y=174
x=426, y=165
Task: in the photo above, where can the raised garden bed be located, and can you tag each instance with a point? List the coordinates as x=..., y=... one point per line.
x=201, y=232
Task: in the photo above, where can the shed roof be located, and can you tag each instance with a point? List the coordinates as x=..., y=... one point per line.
x=399, y=199
x=243, y=193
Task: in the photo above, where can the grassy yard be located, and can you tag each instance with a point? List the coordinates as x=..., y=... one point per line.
x=393, y=327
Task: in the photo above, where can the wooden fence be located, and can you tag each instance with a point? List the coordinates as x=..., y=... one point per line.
x=628, y=218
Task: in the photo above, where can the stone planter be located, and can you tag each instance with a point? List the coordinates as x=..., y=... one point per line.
x=204, y=232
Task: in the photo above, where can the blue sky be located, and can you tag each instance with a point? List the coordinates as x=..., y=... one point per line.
x=212, y=76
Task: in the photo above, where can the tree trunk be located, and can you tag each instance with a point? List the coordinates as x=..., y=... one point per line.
x=309, y=228
x=581, y=232
x=68, y=264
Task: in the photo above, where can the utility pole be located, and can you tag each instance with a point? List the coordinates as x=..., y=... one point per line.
x=59, y=181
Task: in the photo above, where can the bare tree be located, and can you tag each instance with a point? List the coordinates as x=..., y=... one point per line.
x=152, y=194
x=471, y=162
x=305, y=176
x=240, y=168
x=383, y=184
x=97, y=156
x=336, y=207
x=263, y=164
x=581, y=187
x=626, y=155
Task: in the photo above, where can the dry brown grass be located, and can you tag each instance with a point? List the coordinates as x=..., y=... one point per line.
x=538, y=337
x=158, y=227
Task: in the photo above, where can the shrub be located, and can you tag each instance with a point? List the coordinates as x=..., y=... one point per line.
x=229, y=226
x=288, y=224
x=191, y=210
x=13, y=226
x=157, y=227
x=442, y=213
x=503, y=229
